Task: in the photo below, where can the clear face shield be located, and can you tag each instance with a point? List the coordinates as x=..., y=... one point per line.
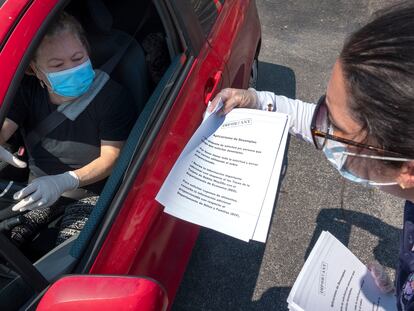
x=360, y=163
x=362, y=166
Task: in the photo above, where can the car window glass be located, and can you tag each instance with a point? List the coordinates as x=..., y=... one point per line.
x=2, y=2
x=206, y=11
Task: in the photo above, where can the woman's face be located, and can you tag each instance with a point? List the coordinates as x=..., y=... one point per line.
x=58, y=53
x=345, y=126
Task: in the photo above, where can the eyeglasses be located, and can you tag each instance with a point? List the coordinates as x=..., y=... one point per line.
x=321, y=129
x=355, y=161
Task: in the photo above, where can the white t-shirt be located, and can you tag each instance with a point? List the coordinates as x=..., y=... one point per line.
x=301, y=112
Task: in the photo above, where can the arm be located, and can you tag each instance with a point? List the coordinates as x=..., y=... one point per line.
x=301, y=112
x=46, y=190
x=115, y=115
x=7, y=130
x=101, y=167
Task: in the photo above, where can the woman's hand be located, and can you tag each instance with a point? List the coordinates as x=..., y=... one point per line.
x=44, y=191
x=233, y=98
x=381, y=277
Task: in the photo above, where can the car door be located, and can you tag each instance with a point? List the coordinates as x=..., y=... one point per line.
x=135, y=237
x=236, y=37
x=143, y=240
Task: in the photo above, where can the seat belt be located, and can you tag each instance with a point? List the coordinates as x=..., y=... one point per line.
x=56, y=118
x=66, y=111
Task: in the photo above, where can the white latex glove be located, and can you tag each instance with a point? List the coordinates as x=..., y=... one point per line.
x=6, y=156
x=44, y=191
x=233, y=98
x=381, y=278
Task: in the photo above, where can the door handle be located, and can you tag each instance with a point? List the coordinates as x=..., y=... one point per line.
x=211, y=86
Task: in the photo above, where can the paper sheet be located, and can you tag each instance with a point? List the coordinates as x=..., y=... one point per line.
x=333, y=278
x=222, y=176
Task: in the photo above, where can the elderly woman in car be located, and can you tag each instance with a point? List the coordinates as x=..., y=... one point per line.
x=73, y=158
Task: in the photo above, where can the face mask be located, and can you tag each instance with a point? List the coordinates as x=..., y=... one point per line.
x=335, y=153
x=72, y=82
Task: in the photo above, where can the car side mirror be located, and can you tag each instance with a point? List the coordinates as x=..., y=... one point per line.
x=104, y=293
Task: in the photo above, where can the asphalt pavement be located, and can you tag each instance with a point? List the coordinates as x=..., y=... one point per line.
x=300, y=41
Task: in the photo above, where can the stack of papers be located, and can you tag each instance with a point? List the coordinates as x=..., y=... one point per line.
x=333, y=278
x=227, y=176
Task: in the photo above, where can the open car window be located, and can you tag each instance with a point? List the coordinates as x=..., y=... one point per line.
x=161, y=66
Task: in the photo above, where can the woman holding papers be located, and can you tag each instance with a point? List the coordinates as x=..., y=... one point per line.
x=364, y=122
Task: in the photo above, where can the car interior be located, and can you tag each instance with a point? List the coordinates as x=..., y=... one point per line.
x=148, y=60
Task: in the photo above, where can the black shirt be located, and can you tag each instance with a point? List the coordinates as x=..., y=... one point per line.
x=405, y=270
x=73, y=144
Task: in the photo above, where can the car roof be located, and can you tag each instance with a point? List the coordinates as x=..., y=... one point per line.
x=10, y=14
x=21, y=23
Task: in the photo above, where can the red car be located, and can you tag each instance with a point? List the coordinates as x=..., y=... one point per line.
x=130, y=255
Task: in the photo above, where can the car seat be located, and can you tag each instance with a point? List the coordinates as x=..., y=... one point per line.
x=131, y=70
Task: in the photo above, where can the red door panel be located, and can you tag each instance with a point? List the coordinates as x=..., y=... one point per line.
x=20, y=37
x=144, y=240
x=236, y=38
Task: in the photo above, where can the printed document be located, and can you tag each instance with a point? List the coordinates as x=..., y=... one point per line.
x=227, y=176
x=333, y=278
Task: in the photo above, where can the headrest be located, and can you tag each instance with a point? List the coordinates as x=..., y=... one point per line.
x=100, y=15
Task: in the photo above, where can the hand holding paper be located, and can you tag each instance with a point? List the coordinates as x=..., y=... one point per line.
x=232, y=98
x=226, y=177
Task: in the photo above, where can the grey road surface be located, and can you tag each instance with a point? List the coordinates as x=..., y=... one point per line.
x=301, y=40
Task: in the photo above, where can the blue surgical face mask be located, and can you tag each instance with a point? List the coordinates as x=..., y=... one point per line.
x=335, y=152
x=72, y=82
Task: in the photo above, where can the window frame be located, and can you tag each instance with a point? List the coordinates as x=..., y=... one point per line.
x=183, y=45
x=163, y=105
x=27, y=57
x=213, y=3
x=174, y=39
x=32, y=277
x=156, y=120
x=187, y=24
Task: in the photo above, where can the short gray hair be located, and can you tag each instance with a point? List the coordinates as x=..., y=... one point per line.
x=66, y=22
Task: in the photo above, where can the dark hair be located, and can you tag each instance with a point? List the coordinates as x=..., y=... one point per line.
x=378, y=66
x=66, y=22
